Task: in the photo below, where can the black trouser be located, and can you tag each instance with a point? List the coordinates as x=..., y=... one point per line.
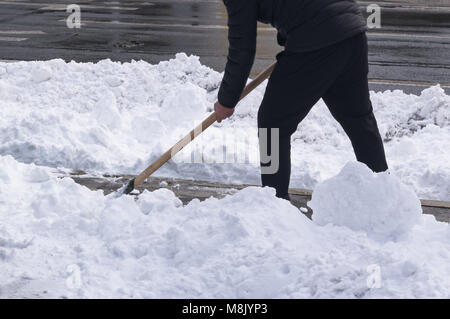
x=338, y=74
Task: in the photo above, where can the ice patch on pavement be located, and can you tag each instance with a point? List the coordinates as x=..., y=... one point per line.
x=60, y=240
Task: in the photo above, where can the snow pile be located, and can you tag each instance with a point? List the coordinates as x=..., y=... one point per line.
x=117, y=118
x=431, y=108
x=89, y=116
x=378, y=204
x=59, y=239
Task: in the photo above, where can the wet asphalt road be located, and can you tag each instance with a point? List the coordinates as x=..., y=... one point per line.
x=410, y=51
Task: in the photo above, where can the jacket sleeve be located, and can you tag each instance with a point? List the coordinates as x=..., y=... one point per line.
x=242, y=17
x=281, y=39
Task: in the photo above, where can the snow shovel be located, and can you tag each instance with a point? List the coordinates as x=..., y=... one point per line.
x=138, y=180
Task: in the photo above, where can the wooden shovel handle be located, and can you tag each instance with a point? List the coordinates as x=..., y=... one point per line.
x=197, y=130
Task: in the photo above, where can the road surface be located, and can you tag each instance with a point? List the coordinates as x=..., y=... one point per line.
x=410, y=51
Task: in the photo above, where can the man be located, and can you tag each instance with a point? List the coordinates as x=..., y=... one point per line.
x=325, y=57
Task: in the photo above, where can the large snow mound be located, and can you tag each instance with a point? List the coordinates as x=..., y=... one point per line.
x=59, y=239
x=378, y=204
x=118, y=117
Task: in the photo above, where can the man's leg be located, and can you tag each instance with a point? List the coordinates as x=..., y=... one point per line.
x=298, y=81
x=348, y=100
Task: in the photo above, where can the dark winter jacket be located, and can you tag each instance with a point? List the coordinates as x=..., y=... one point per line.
x=302, y=25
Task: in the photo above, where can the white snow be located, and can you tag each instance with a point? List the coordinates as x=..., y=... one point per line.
x=368, y=238
x=59, y=239
x=376, y=203
x=113, y=117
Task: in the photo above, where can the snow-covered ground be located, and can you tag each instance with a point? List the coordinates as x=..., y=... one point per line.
x=367, y=239
x=59, y=239
x=116, y=118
